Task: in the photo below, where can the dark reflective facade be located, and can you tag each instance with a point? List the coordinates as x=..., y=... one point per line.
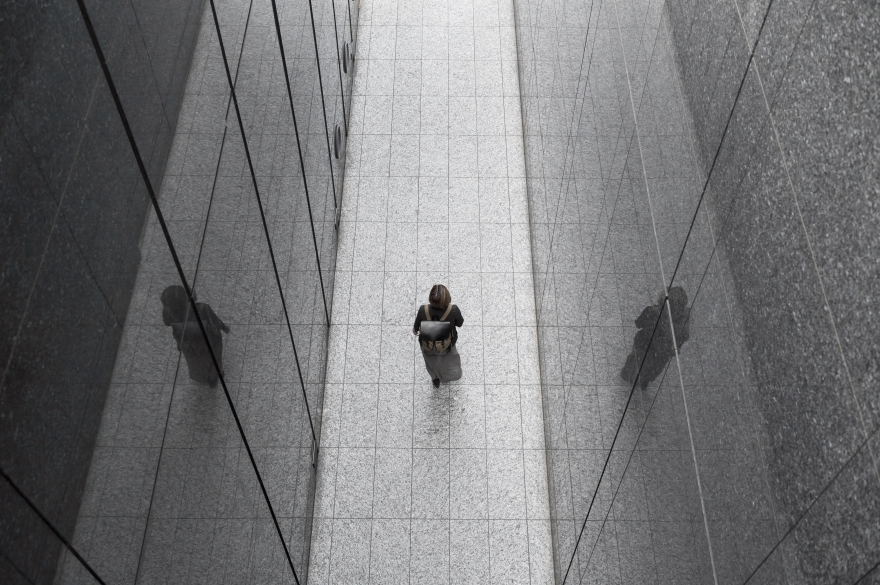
x=704, y=237
x=164, y=326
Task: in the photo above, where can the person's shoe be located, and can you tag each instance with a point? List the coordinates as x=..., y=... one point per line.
x=436, y=382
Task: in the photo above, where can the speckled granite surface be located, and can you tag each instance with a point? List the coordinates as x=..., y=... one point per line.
x=773, y=395
x=417, y=484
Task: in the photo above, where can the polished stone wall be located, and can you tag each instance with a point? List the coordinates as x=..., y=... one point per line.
x=749, y=457
x=788, y=141
x=109, y=432
x=73, y=210
x=612, y=188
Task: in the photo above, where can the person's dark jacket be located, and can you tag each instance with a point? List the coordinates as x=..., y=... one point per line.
x=454, y=317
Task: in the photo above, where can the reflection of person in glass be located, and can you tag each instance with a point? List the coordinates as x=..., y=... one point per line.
x=663, y=346
x=176, y=312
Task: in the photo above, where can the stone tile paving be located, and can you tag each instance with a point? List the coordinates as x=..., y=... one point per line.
x=417, y=485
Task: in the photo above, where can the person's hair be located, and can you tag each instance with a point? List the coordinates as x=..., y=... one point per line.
x=439, y=296
x=175, y=304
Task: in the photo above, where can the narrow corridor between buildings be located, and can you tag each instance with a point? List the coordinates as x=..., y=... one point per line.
x=220, y=218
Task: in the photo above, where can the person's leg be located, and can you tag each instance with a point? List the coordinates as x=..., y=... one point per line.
x=450, y=368
x=431, y=364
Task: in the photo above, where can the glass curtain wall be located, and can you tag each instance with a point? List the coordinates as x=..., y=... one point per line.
x=168, y=246
x=703, y=229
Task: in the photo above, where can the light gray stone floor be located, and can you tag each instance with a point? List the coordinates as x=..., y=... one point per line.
x=417, y=485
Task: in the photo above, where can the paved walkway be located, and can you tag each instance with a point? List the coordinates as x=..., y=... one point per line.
x=417, y=485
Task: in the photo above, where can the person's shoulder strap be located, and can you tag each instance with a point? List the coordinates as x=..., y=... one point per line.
x=448, y=310
x=427, y=312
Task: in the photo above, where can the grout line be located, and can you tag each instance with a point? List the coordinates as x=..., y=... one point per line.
x=381, y=327
x=449, y=403
x=416, y=283
x=485, y=447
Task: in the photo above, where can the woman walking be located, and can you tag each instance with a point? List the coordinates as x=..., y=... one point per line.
x=437, y=326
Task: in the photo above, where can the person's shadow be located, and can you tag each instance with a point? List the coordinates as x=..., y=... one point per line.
x=656, y=341
x=177, y=313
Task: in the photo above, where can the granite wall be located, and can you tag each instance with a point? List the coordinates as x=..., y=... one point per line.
x=788, y=139
x=73, y=209
x=735, y=441
x=151, y=473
